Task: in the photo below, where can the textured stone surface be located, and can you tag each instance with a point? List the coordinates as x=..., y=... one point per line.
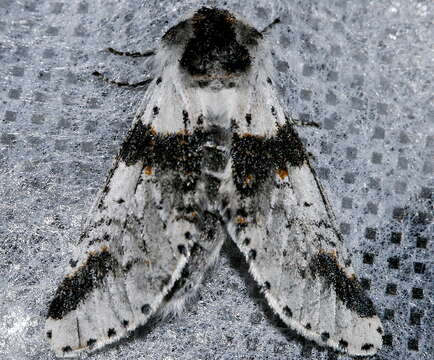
x=363, y=70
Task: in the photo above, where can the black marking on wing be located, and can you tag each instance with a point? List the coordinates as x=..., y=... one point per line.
x=348, y=290
x=145, y=309
x=255, y=157
x=367, y=347
x=184, y=152
x=90, y=342
x=74, y=288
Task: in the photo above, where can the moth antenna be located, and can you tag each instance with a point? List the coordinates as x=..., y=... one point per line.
x=270, y=27
x=122, y=84
x=146, y=53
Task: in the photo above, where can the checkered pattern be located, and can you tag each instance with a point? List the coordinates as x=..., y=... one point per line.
x=361, y=69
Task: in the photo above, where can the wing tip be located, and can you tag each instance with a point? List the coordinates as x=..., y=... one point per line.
x=367, y=347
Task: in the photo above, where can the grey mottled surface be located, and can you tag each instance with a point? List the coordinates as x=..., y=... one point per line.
x=363, y=70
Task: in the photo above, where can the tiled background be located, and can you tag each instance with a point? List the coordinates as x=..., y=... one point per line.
x=362, y=69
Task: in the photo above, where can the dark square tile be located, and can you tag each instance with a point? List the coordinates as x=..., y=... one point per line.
x=415, y=316
x=345, y=228
x=372, y=208
x=417, y=293
x=395, y=238
x=371, y=233
x=349, y=178
x=10, y=116
x=347, y=203
x=365, y=284
x=393, y=262
x=368, y=258
x=379, y=133
x=351, y=153
x=389, y=314
x=419, y=268
x=376, y=158
x=391, y=289
x=421, y=242
x=413, y=344
x=398, y=213
x=388, y=340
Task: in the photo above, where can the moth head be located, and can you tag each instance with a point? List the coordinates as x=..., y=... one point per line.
x=213, y=43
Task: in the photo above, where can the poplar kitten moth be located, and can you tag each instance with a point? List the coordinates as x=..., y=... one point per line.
x=210, y=155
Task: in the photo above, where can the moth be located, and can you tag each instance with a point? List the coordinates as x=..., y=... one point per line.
x=210, y=155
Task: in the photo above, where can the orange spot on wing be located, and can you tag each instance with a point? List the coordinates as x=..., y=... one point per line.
x=248, y=179
x=148, y=170
x=152, y=130
x=241, y=220
x=283, y=173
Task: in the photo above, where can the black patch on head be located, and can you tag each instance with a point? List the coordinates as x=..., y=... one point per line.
x=145, y=309
x=325, y=336
x=379, y=330
x=125, y=323
x=252, y=254
x=155, y=110
x=308, y=326
x=111, y=332
x=255, y=158
x=367, y=347
x=49, y=334
x=158, y=81
x=74, y=288
x=214, y=48
x=90, y=342
x=177, y=33
x=246, y=242
x=343, y=343
x=267, y=285
x=200, y=119
x=273, y=111
x=269, y=81
x=287, y=311
x=187, y=235
x=348, y=290
x=66, y=349
x=120, y=201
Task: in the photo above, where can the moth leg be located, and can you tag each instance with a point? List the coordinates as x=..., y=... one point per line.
x=269, y=27
x=146, y=53
x=203, y=255
x=297, y=122
x=122, y=84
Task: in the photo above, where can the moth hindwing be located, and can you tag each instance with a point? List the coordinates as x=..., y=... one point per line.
x=210, y=153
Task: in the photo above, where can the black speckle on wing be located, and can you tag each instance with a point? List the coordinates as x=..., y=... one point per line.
x=347, y=289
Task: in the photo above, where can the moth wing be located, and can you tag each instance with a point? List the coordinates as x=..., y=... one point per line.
x=136, y=243
x=295, y=252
